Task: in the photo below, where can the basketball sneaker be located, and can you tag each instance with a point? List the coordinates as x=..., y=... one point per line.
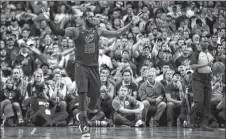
x=83, y=124
x=139, y=123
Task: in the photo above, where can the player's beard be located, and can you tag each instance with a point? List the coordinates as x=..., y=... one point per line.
x=91, y=23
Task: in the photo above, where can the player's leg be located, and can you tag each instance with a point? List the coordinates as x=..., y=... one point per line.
x=1, y=117
x=81, y=78
x=94, y=88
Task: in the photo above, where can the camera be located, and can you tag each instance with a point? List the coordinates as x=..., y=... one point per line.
x=39, y=91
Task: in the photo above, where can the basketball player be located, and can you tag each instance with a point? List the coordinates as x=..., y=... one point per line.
x=201, y=84
x=86, y=38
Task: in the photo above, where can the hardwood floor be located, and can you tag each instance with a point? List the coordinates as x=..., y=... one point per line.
x=110, y=133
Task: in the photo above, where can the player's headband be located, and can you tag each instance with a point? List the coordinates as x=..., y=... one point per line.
x=88, y=15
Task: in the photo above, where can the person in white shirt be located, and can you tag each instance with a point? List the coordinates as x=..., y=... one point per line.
x=104, y=59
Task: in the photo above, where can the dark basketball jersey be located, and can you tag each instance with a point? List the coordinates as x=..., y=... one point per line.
x=87, y=50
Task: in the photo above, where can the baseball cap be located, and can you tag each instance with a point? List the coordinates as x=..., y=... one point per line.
x=30, y=42
x=125, y=50
x=176, y=73
x=159, y=39
x=13, y=19
x=44, y=64
x=146, y=47
x=189, y=71
x=10, y=38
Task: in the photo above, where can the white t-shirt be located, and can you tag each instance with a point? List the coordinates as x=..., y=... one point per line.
x=205, y=58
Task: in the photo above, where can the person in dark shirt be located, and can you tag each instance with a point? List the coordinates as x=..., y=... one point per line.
x=213, y=45
x=12, y=49
x=87, y=77
x=128, y=111
x=127, y=81
x=174, y=96
x=5, y=63
x=6, y=109
x=220, y=55
x=142, y=57
x=26, y=61
x=184, y=59
x=13, y=94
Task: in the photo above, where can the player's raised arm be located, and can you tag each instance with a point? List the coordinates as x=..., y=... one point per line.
x=121, y=31
x=70, y=31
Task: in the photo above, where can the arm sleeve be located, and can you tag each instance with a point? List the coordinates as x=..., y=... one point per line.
x=70, y=31
x=108, y=33
x=56, y=30
x=43, y=58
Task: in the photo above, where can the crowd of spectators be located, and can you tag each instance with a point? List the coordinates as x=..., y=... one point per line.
x=142, y=72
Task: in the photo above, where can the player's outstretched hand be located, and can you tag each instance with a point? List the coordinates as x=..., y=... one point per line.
x=136, y=18
x=45, y=13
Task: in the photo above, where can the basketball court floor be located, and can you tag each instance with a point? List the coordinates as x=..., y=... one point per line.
x=110, y=133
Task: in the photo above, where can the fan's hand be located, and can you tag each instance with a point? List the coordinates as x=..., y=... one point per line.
x=45, y=13
x=136, y=19
x=23, y=44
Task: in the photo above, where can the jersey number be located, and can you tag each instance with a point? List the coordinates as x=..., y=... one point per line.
x=90, y=48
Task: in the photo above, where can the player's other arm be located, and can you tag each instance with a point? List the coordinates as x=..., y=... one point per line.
x=108, y=33
x=70, y=31
x=66, y=52
x=38, y=53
